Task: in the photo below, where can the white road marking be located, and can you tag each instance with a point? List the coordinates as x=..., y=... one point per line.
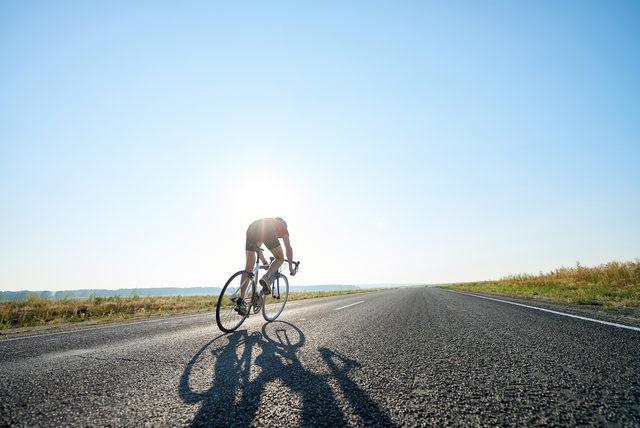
x=613, y=324
x=346, y=306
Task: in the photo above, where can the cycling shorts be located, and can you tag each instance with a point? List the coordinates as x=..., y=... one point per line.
x=259, y=231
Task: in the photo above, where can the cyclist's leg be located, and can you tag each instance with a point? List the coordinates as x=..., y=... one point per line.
x=279, y=259
x=252, y=243
x=273, y=244
x=251, y=260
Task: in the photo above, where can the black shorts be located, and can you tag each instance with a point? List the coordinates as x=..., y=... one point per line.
x=261, y=231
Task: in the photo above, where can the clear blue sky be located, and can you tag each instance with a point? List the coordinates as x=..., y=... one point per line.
x=402, y=141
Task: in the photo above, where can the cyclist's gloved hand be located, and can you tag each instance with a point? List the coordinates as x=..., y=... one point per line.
x=293, y=272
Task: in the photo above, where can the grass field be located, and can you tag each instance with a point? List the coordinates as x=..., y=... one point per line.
x=35, y=311
x=612, y=285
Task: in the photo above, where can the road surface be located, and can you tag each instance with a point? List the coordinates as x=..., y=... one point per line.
x=408, y=357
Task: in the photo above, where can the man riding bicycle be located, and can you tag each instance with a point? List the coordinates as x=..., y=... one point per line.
x=267, y=230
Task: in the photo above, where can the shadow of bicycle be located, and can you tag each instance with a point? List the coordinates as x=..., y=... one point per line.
x=230, y=380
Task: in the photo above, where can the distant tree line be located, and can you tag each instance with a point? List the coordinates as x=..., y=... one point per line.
x=144, y=292
x=123, y=292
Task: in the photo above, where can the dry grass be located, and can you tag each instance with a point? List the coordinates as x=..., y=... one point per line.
x=612, y=285
x=36, y=311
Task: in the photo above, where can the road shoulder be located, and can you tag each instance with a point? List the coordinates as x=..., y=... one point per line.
x=630, y=317
x=73, y=327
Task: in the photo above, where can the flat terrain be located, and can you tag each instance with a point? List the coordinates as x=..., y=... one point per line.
x=19, y=316
x=417, y=356
x=613, y=287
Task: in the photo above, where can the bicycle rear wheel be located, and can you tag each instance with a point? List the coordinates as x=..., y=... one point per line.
x=227, y=317
x=273, y=304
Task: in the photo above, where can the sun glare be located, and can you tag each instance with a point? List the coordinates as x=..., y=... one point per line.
x=270, y=195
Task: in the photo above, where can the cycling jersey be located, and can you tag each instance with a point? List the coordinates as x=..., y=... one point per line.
x=266, y=230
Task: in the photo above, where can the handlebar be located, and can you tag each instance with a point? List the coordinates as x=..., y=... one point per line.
x=295, y=264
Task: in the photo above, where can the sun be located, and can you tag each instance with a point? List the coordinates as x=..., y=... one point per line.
x=271, y=194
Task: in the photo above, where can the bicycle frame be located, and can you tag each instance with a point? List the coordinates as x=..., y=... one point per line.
x=253, y=277
x=275, y=283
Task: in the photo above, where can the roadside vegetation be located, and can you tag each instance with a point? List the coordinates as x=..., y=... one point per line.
x=613, y=285
x=38, y=311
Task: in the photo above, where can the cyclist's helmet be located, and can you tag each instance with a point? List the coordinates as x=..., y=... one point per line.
x=284, y=223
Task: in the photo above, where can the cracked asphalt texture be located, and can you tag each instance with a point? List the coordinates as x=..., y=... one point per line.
x=408, y=357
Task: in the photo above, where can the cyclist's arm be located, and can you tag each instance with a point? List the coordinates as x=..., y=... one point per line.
x=287, y=246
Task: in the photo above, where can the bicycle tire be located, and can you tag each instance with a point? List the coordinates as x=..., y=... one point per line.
x=223, y=309
x=272, y=307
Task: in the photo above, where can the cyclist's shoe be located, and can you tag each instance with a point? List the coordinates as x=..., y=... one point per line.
x=266, y=285
x=241, y=306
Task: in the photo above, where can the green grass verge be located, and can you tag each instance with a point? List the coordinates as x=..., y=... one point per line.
x=611, y=286
x=36, y=311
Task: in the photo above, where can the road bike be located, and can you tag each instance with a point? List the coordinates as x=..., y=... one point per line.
x=272, y=305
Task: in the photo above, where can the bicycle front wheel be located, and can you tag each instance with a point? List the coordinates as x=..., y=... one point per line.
x=227, y=317
x=274, y=303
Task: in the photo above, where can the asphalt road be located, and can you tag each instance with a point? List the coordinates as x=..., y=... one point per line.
x=419, y=356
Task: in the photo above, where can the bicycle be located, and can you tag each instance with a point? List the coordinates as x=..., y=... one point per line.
x=272, y=305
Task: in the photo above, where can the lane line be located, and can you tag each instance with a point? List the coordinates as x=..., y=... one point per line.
x=613, y=324
x=346, y=306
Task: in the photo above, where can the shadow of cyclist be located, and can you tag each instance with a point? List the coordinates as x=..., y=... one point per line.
x=367, y=409
x=238, y=385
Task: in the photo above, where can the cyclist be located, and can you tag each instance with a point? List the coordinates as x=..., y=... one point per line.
x=267, y=230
